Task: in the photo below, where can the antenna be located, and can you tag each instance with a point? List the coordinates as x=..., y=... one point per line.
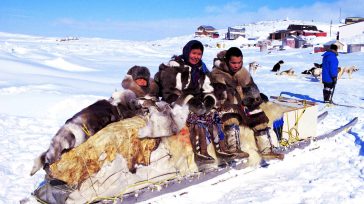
x=330, y=27
x=340, y=16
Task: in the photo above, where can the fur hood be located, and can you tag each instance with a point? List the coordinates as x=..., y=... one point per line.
x=232, y=88
x=221, y=73
x=151, y=91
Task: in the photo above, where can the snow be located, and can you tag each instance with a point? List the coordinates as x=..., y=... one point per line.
x=43, y=82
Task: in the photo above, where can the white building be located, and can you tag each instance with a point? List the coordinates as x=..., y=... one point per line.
x=351, y=30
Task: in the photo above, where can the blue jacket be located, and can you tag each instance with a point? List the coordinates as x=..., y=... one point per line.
x=330, y=65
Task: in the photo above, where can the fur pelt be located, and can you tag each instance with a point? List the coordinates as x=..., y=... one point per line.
x=247, y=139
x=164, y=121
x=86, y=123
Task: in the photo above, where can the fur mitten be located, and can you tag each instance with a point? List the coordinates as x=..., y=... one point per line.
x=195, y=105
x=254, y=118
x=209, y=102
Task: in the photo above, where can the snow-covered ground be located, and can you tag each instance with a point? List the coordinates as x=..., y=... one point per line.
x=43, y=82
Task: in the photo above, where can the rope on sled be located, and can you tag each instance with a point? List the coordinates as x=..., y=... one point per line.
x=121, y=194
x=292, y=138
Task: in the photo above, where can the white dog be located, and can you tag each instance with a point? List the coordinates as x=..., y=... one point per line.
x=86, y=123
x=253, y=67
x=289, y=72
x=349, y=70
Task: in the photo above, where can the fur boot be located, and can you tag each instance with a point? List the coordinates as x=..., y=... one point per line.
x=265, y=145
x=233, y=141
x=199, y=144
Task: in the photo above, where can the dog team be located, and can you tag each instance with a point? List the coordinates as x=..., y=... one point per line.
x=214, y=105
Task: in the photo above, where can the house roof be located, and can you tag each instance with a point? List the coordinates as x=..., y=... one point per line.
x=302, y=27
x=352, y=23
x=334, y=42
x=236, y=30
x=206, y=27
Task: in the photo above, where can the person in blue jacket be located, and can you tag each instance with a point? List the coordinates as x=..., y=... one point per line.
x=330, y=65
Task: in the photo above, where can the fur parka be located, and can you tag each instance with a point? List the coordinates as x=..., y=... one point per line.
x=176, y=84
x=233, y=88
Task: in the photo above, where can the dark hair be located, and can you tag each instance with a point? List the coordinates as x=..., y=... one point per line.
x=193, y=44
x=333, y=47
x=233, y=51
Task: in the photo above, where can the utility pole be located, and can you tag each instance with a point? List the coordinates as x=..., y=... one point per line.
x=340, y=16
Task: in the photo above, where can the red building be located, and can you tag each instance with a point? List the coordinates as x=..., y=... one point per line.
x=207, y=31
x=297, y=30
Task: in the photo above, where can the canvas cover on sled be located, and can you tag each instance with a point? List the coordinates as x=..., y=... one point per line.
x=299, y=120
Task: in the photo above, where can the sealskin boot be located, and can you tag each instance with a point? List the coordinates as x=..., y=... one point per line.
x=220, y=145
x=265, y=146
x=199, y=144
x=233, y=141
x=221, y=149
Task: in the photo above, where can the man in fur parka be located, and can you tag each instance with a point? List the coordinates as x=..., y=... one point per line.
x=139, y=81
x=185, y=80
x=239, y=99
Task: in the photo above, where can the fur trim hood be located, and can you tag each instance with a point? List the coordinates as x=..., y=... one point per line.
x=221, y=72
x=151, y=91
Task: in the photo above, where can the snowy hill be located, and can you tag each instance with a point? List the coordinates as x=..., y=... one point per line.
x=43, y=82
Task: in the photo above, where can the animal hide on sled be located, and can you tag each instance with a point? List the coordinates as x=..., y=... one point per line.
x=115, y=161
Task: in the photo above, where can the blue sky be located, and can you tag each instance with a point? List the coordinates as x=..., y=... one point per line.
x=157, y=19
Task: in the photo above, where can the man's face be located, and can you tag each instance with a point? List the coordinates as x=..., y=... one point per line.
x=195, y=56
x=235, y=63
x=141, y=82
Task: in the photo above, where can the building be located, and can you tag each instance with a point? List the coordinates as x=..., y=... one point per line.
x=234, y=33
x=342, y=47
x=297, y=30
x=293, y=41
x=355, y=48
x=351, y=30
x=351, y=20
x=206, y=30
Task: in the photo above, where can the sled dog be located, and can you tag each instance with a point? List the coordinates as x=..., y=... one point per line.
x=253, y=67
x=289, y=72
x=316, y=72
x=87, y=122
x=348, y=70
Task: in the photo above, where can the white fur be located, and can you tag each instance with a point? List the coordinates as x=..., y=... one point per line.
x=165, y=122
x=207, y=88
x=80, y=135
x=217, y=63
x=180, y=114
x=173, y=64
x=189, y=76
x=179, y=82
